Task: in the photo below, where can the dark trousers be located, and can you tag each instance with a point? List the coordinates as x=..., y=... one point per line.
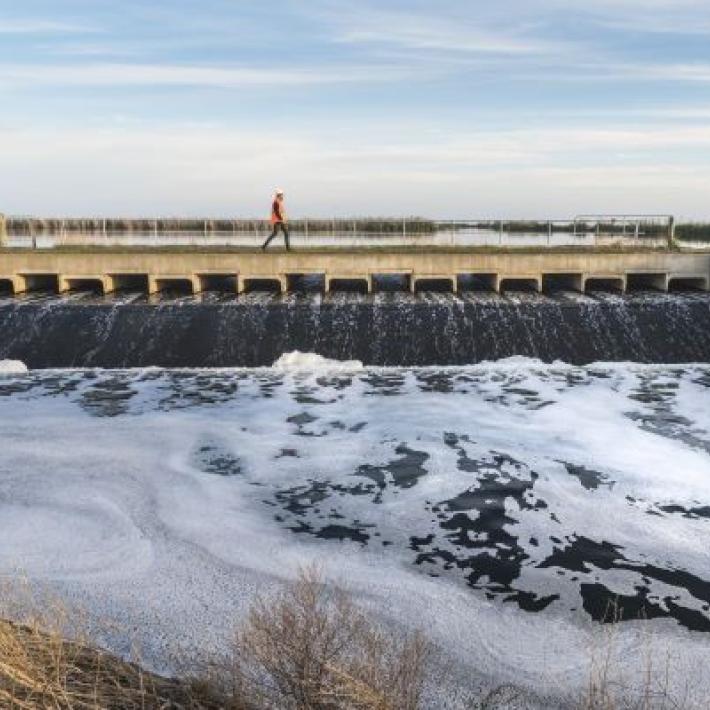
x=277, y=226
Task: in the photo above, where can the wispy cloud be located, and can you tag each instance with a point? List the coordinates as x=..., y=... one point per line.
x=613, y=70
x=136, y=75
x=38, y=26
x=683, y=17
x=364, y=24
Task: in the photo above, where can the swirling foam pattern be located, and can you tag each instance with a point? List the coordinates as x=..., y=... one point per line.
x=506, y=508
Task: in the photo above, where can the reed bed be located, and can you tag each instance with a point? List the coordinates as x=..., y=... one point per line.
x=207, y=227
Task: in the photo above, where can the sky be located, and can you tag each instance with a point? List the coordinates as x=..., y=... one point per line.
x=451, y=109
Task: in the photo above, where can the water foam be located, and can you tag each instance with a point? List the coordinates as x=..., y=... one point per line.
x=164, y=496
x=12, y=367
x=298, y=361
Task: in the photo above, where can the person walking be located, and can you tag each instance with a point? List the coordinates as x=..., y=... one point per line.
x=278, y=220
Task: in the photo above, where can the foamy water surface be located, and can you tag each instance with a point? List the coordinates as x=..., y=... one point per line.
x=503, y=507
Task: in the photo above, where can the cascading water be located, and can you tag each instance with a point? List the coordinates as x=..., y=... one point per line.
x=216, y=330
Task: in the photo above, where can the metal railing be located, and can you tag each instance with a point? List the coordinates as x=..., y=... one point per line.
x=584, y=230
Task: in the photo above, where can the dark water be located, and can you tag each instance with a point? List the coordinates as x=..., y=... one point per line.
x=385, y=329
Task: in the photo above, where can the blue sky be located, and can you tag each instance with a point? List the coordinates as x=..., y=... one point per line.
x=540, y=108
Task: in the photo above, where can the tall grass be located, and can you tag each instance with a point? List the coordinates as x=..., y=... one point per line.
x=164, y=226
x=40, y=668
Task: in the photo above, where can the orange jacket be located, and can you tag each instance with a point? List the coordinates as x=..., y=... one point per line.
x=277, y=212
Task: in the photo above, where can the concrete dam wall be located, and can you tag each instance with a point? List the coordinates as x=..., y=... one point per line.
x=153, y=270
x=211, y=308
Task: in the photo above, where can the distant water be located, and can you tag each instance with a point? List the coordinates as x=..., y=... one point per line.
x=505, y=508
x=219, y=330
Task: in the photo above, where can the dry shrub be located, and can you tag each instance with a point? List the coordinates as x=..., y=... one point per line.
x=39, y=668
x=309, y=647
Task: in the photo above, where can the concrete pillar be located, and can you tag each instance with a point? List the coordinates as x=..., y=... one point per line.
x=153, y=286
x=63, y=283
x=196, y=283
x=18, y=283
x=109, y=284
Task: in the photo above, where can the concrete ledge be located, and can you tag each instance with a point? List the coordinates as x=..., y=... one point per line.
x=158, y=267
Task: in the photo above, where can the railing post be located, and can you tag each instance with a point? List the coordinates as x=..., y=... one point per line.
x=671, y=230
x=3, y=230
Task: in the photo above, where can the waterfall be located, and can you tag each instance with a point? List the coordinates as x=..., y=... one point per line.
x=381, y=329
